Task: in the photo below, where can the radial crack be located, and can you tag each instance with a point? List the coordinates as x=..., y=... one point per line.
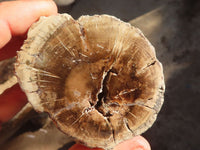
x=113, y=131
x=151, y=64
x=143, y=69
x=140, y=104
x=127, y=125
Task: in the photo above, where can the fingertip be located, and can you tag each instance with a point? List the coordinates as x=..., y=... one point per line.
x=20, y=15
x=50, y=7
x=137, y=143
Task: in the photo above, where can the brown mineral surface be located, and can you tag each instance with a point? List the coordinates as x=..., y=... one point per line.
x=97, y=77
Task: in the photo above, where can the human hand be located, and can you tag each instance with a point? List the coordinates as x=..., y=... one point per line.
x=15, y=19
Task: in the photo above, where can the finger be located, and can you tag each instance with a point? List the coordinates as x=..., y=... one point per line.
x=137, y=143
x=17, y=16
x=11, y=101
x=82, y=147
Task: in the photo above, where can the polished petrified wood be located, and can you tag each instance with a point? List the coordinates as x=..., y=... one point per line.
x=97, y=77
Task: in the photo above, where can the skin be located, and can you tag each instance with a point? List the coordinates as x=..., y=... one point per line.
x=16, y=17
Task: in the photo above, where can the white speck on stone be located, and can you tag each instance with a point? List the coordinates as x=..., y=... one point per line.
x=93, y=77
x=77, y=93
x=43, y=130
x=30, y=136
x=100, y=46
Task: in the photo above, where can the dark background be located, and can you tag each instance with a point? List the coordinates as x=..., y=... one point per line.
x=176, y=40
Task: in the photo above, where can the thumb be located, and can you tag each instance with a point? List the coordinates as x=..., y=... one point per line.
x=137, y=143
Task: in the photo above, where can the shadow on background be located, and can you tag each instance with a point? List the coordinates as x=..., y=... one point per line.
x=177, y=126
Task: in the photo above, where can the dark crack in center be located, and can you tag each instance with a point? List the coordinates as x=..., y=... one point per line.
x=100, y=105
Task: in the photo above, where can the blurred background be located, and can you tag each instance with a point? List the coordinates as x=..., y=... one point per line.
x=173, y=27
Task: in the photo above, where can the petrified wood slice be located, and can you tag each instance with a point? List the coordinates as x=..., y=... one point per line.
x=97, y=77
